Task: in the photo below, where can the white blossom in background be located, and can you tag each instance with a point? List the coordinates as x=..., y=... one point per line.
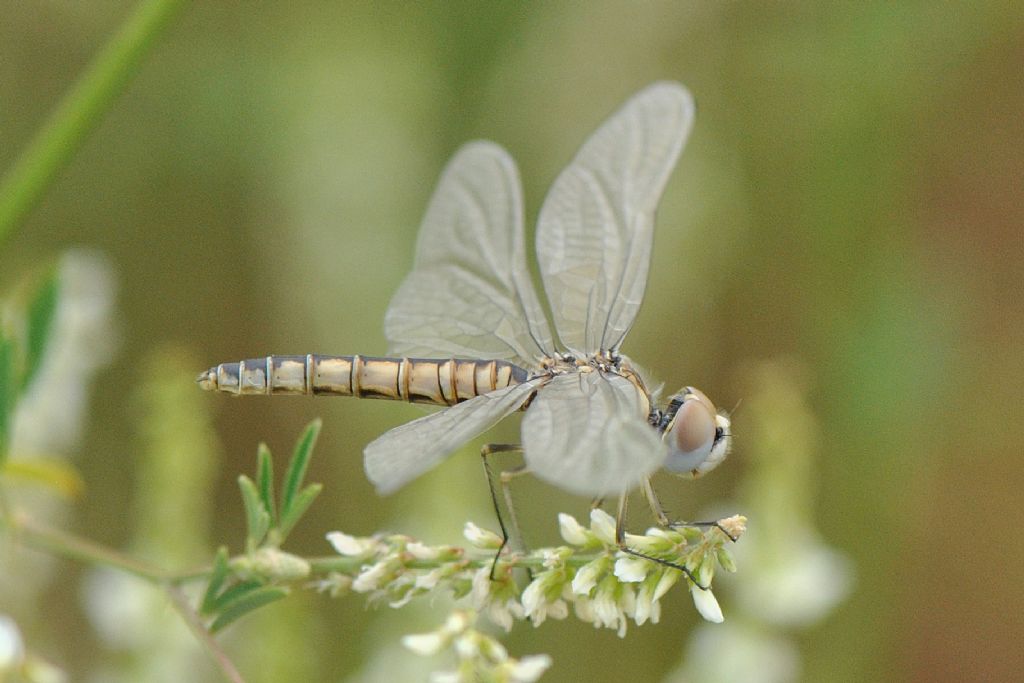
x=17, y=664
x=175, y=467
x=791, y=577
x=48, y=419
x=479, y=657
x=12, y=647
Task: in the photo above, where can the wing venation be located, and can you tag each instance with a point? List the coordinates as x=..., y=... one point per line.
x=594, y=234
x=407, y=451
x=469, y=294
x=588, y=433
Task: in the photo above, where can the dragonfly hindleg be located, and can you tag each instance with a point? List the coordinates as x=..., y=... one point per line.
x=620, y=535
x=505, y=478
x=663, y=518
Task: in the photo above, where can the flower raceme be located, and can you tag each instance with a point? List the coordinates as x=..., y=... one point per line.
x=590, y=574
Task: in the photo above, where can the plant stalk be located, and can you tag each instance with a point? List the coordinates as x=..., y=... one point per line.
x=67, y=126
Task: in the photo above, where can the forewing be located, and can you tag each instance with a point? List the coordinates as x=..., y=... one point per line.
x=405, y=452
x=588, y=434
x=595, y=228
x=469, y=294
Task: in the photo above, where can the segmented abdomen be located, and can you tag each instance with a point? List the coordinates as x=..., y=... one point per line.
x=419, y=380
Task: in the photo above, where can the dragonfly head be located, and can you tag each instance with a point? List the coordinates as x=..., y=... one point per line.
x=698, y=436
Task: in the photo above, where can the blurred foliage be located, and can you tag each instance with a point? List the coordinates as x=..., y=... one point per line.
x=850, y=197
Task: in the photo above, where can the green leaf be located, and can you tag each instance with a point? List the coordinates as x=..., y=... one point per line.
x=244, y=605
x=297, y=467
x=299, y=505
x=234, y=593
x=54, y=473
x=6, y=391
x=217, y=578
x=265, y=479
x=256, y=516
x=39, y=325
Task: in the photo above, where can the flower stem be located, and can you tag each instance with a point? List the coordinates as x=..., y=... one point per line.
x=63, y=544
x=62, y=134
x=203, y=635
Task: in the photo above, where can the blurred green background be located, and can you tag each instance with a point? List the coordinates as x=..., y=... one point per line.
x=850, y=201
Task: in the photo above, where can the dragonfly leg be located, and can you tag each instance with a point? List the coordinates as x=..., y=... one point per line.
x=663, y=519
x=505, y=478
x=620, y=540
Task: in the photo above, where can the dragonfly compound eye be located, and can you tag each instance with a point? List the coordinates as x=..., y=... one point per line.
x=698, y=438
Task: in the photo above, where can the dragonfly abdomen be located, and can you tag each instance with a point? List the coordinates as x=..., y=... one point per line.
x=418, y=380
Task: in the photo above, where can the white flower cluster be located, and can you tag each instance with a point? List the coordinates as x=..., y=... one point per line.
x=480, y=657
x=605, y=585
x=17, y=664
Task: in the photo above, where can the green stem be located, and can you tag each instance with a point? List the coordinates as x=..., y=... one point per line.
x=63, y=544
x=203, y=635
x=352, y=565
x=62, y=134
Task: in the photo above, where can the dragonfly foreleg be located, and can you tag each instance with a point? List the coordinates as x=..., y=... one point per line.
x=663, y=520
x=505, y=478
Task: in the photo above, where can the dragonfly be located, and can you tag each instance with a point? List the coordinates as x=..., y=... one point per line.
x=466, y=329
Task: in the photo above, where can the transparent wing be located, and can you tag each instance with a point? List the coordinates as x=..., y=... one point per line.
x=595, y=227
x=588, y=433
x=405, y=452
x=469, y=294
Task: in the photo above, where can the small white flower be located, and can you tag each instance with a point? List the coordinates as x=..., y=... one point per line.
x=467, y=645
x=430, y=579
x=12, y=648
x=603, y=526
x=645, y=603
x=572, y=531
x=404, y=600
x=533, y=596
x=481, y=538
x=527, y=669
x=706, y=604
x=631, y=569
x=425, y=644
x=350, y=546
x=541, y=599
x=584, y=609
x=613, y=601
x=458, y=621
x=588, y=575
x=667, y=580
x=422, y=551
x=496, y=599
x=482, y=587
x=371, y=578
x=445, y=677
x=334, y=584
x=627, y=600
x=734, y=526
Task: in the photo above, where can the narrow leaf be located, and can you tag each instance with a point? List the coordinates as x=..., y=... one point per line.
x=233, y=594
x=39, y=324
x=265, y=479
x=297, y=467
x=6, y=391
x=217, y=578
x=53, y=473
x=247, y=604
x=299, y=505
x=256, y=516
